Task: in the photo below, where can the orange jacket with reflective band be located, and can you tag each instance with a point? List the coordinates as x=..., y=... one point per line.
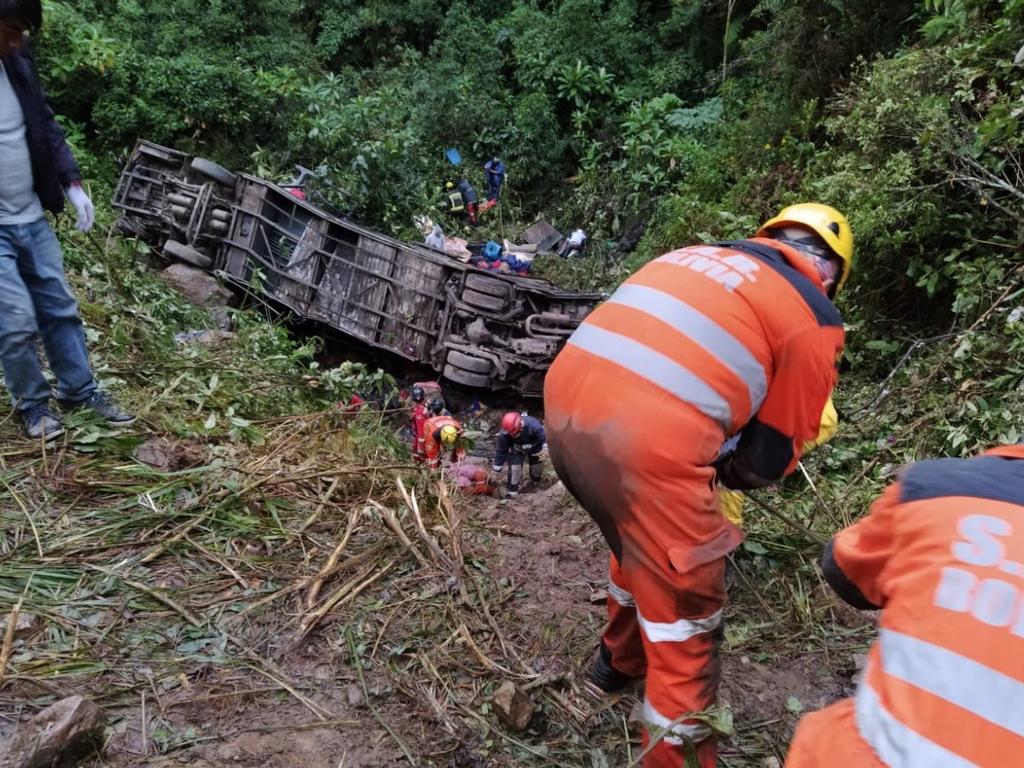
x=432, y=447
x=943, y=552
x=740, y=332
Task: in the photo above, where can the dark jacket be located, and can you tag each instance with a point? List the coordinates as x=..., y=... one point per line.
x=530, y=441
x=53, y=167
x=468, y=191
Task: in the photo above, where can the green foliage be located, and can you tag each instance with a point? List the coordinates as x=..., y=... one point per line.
x=613, y=116
x=581, y=83
x=137, y=330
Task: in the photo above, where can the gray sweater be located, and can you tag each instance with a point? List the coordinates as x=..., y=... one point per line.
x=19, y=204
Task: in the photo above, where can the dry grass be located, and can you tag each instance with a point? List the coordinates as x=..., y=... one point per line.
x=161, y=594
x=146, y=584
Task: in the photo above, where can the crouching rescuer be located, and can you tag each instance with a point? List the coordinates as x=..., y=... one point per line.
x=520, y=440
x=713, y=341
x=942, y=553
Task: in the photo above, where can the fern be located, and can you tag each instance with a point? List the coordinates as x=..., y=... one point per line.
x=946, y=8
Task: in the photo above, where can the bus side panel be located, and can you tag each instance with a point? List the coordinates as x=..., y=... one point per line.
x=414, y=303
x=352, y=293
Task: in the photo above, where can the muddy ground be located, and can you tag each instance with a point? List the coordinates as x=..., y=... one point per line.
x=422, y=693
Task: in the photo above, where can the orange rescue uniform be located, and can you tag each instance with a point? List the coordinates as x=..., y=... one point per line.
x=432, y=448
x=419, y=420
x=700, y=344
x=942, y=551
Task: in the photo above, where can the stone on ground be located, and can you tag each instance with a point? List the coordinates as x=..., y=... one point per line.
x=57, y=735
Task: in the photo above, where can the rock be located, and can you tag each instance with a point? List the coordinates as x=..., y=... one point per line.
x=355, y=695
x=26, y=624
x=771, y=762
x=513, y=705
x=58, y=733
x=600, y=597
x=221, y=318
x=155, y=453
x=167, y=456
x=197, y=286
x=207, y=338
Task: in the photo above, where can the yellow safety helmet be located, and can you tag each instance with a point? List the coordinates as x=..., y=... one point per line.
x=449, y=185
x=827, y=223
x=449, y=434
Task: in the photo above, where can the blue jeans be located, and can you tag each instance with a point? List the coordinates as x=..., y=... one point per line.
x=36, y=303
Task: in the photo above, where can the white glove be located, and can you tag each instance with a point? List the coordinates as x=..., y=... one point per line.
x=83, y=205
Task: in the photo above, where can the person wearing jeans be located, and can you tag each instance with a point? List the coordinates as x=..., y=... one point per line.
x=37, y=171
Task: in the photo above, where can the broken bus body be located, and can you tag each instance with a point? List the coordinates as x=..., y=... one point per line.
x=478, y=328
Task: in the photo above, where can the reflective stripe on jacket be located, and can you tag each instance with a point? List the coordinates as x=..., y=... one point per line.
x=943, y=552
x=740, y=332
x=455, y=202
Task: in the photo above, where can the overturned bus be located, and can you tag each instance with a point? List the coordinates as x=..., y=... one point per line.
x=478, y=328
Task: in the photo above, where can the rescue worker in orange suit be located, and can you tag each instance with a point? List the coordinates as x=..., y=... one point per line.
x=443, y=434
x=521, y=439
x=700, y=344
x=418, y=418
x=942, y=553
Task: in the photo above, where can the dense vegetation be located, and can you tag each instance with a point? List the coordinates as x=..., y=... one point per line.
x=657, y=122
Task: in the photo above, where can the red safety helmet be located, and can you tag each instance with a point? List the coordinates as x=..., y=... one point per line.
x=512, y=423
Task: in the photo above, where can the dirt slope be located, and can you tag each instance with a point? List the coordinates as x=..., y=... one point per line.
x=550, y=564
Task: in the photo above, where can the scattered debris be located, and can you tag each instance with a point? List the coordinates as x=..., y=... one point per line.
x=24, y=625
x=457, y=248
x=513, y=705
x=544, y=236
x=435, y=239
x=59, y=733
x=473, y=592
x=206, y=338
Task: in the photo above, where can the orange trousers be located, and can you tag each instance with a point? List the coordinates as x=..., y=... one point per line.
x=830, y=738
x=639, y=463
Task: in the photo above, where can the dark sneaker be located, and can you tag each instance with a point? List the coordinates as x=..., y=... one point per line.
x=604, y=677
x=41, y=423
x=98, y=401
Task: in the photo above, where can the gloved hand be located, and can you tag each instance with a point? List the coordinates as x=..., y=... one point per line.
x=733, y=473
x=543, y=454
x=83, y=206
